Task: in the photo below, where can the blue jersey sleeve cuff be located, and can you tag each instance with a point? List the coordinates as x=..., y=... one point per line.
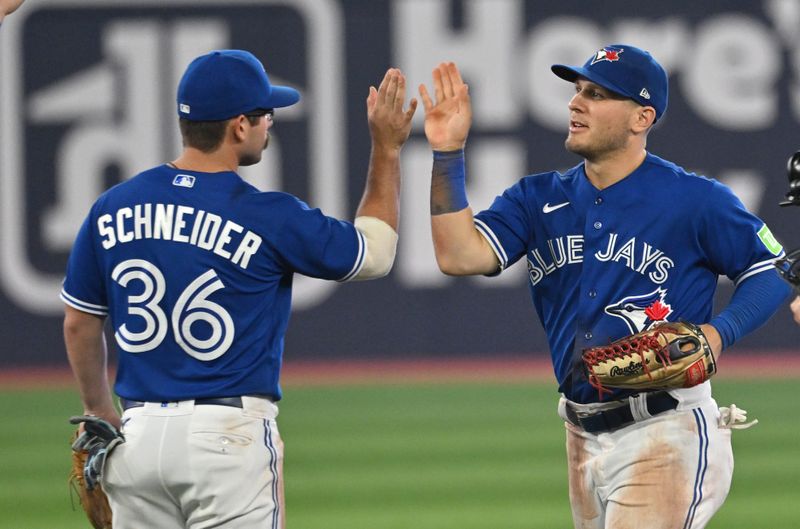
x=494, y=244
x=362, y=252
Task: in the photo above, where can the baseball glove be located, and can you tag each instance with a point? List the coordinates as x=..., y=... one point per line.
x=667, y=356
x=789, y=268
x=89, y=452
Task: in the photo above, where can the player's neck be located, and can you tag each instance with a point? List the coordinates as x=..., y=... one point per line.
x=609, y=170
x=214, y=162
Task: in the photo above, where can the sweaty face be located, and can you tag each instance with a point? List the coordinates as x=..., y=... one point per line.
x=599, y=121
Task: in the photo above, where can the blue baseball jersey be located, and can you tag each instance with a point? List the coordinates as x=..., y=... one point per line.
x=195, y=271
x=603, y=264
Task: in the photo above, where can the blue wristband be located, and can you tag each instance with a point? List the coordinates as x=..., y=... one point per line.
x=448, y=182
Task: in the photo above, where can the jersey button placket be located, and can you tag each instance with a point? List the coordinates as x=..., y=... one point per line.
x=593, y=242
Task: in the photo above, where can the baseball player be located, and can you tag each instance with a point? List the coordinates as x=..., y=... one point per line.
x=7, y=7
x=193, y=267
x=617, y=244
x=789, y=267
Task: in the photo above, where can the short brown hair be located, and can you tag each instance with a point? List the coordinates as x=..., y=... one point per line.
x=206, y=136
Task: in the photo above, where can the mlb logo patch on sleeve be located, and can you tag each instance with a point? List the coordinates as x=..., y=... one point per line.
x=183, y=180
x=769, y=240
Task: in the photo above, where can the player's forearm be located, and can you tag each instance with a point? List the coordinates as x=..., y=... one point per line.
x=459, y=247
x=381, y=197
x=86, y=351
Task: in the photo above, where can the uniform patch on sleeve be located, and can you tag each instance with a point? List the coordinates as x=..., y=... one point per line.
x=769, y=240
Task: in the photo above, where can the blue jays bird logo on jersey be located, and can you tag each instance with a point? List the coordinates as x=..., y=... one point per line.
x=641, y=312
x=607, y=54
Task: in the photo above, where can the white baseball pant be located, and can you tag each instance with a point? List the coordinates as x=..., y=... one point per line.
x=670, y=471
x=187, y=466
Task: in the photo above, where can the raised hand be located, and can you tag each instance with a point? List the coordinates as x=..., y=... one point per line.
x=448, y=119
x=389, y=124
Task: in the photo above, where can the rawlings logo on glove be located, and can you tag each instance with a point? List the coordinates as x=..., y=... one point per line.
x=667, y=356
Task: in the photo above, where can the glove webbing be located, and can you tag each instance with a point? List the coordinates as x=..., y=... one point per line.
x=624, y=349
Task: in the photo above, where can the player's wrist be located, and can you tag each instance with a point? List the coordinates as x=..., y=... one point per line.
x=713, y=337
x=448, y=147
x=451, y=154
x=448, y=182
x=386, y=149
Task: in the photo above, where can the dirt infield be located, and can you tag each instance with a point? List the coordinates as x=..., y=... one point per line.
x=505, y=369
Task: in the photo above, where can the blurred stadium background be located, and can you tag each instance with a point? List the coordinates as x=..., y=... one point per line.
x=418, y=400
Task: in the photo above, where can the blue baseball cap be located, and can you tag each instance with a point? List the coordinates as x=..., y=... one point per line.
x=626, y=70
x=225, y=83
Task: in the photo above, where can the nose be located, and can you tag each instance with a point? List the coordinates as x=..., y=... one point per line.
x=574, y=103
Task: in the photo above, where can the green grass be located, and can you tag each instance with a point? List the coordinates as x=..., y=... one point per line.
x=416, y=457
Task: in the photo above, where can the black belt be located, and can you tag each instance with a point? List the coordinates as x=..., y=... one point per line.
x=233, y=402
x=612, y=419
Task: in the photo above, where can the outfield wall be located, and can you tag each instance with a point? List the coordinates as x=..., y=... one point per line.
x=87, y=99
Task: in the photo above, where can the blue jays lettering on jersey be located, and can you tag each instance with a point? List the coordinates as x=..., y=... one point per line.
x=197, y=279
x=603, y=264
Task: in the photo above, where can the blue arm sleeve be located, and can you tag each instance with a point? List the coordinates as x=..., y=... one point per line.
x=753, y=302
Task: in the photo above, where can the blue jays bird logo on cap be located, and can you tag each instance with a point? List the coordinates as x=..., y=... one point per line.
x=641, y=312
x=607, y=54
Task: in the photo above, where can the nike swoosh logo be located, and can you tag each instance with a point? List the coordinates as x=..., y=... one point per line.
x=549, y=209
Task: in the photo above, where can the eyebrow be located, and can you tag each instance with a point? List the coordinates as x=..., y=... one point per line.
x=608, y=93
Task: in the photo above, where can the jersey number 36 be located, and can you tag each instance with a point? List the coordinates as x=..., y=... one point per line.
x=192, y=306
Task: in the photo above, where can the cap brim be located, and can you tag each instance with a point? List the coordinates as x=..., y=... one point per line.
x=571, y=73
x=283, y=96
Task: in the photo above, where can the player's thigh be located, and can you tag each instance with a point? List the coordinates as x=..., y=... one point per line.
x=587, y=508
x=714, y=481
x=237, y=466
x=131, y=478
x=674, y=473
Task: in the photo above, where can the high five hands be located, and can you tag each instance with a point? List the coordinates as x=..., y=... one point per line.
x=389, y=124
x=448, y=118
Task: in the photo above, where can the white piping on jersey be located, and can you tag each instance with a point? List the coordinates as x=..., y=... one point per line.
x=757, y=268
x=494, y=243
x=72, y=301
x=362, y=251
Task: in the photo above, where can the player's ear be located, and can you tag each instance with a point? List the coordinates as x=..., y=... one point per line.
x=643, y=118
x=238, y=128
